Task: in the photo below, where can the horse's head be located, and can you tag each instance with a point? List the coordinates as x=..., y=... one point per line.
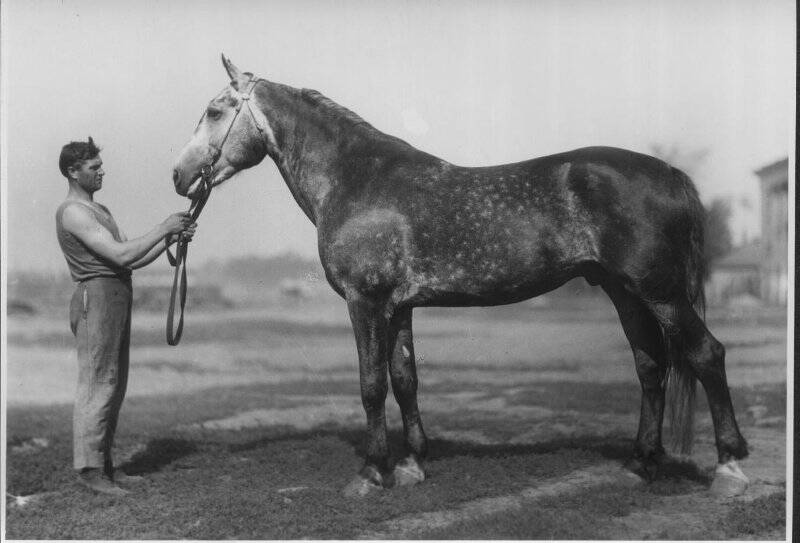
x=232, y=135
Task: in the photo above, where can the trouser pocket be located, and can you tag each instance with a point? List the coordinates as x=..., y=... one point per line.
x=78, y=307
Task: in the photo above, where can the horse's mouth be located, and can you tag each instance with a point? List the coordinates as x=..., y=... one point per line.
x=217, y=177
x=194, y=191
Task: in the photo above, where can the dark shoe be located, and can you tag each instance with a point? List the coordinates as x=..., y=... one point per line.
x=94, y=479
x=122, y=477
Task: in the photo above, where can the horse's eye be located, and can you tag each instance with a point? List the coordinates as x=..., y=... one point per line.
x=214, y=113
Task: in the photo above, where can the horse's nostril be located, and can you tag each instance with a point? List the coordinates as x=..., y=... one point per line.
x=175, y=176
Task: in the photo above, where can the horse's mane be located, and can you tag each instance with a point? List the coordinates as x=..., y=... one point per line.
x=335, y=112
x=332, y=108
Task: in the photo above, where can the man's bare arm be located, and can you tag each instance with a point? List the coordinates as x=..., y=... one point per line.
x=82, y=223
x=159, y=248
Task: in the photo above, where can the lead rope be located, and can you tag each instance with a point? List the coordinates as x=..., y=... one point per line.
x=178, y=261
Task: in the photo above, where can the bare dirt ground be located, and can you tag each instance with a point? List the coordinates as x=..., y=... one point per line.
x=252, y=425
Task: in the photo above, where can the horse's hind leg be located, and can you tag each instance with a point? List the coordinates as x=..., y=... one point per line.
x=403, y=371
x=647, y=343
x=706, y=358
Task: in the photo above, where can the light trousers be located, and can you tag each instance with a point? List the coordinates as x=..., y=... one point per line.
x=100, y=318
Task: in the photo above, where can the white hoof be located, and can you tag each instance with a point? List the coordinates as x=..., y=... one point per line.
x=729, y=481
x=408, y=473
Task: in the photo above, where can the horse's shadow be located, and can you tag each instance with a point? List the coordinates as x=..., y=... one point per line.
x=617, y=449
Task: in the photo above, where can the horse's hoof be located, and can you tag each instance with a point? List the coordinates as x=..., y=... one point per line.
x=368, y=481
x=408, y=473
x=729, y=481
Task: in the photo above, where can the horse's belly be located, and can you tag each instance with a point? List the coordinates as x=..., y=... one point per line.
x=496, y=283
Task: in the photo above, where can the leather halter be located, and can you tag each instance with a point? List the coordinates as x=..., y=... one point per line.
x=178, y=261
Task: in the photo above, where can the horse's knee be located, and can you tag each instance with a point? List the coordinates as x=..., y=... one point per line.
x=373, y=397
x=373, y=390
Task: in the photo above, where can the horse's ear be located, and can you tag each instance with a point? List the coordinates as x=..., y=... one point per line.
x=230, y=67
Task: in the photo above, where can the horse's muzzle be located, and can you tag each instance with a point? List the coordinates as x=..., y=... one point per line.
x=179, y=180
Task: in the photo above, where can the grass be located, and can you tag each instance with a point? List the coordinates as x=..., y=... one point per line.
x=764, y=515
x=275, y=482
x=231, y=489
x=223, y=484
x=603, y=513
x=576, y=516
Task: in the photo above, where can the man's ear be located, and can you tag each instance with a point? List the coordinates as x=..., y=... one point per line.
x=72, y=171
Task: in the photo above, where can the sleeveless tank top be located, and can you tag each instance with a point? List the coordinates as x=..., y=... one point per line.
x=82, y=262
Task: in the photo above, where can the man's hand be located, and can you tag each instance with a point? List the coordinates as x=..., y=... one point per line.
x=187, y=234
x=177, y=223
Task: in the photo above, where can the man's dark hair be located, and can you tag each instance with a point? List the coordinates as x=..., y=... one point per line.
x=76, y=152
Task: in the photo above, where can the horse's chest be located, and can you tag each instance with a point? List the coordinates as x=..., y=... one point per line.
x=368, y=252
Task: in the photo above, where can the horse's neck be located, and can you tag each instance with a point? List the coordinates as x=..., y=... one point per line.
x=312, y=144
x=308, y=192
x=306, y=149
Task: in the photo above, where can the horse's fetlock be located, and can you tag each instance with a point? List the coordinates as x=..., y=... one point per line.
x=649, y=452
x=416, y=441
x=733, y=451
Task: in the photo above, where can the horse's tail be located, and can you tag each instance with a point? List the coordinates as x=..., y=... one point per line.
x=695, y=265
x=681, y=383
x=681, y=386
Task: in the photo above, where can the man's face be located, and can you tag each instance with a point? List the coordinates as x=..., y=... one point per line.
x=89, y=174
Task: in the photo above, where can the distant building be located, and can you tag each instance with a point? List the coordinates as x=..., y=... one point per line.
x=735, y=275
x=773, y=269
x=759, y=269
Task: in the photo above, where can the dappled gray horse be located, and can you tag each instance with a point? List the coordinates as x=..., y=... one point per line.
x=399, y=228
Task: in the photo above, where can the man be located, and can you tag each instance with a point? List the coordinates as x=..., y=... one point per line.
x=100, y=260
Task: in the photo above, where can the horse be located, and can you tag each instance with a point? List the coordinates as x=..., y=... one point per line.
x=399, y=228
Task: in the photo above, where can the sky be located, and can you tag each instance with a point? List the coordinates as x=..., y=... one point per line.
x=475, y=83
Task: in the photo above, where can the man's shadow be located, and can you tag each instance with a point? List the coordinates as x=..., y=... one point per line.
x=157, y=454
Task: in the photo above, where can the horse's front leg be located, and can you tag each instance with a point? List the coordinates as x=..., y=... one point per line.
x=370, y=327
x=403, y=371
